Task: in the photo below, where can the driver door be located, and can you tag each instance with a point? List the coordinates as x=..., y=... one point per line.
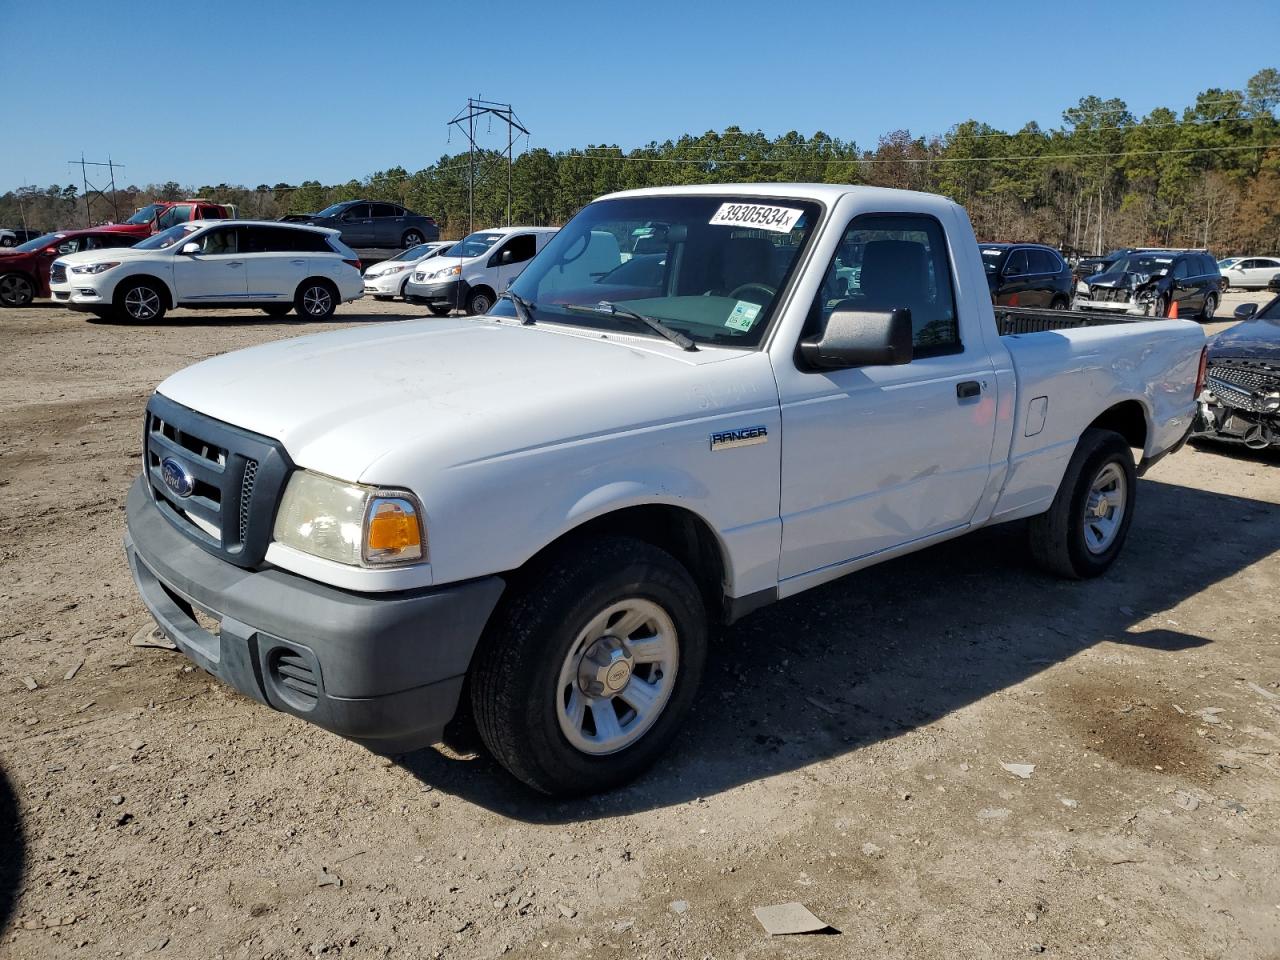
x=510, y=259
x=215, y=273
x=357, y=226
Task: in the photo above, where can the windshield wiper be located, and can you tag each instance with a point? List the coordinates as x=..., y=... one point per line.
x=657, y=326
x=524, y=309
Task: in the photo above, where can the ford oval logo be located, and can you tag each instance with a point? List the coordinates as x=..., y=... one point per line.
x=177, y=477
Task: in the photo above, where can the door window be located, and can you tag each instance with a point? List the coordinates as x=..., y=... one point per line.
x=179, y=213
x=1181, y=270
x=522, y=247
x=70, y=245
x=223, y=240
x=1043, y=261
x=1017, y=265
x=105, y=242
x=386, y=210
x=358, y=212
x=887, y=262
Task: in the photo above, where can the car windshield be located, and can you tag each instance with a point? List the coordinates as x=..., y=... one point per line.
x=39, y=243
x=1223, y=264
x=166, y=238
x=1152, y=266
x=332, y=210
x=709, y=267
x=416, y=252
x=146, y=214
x=991, y=258
x=474, y=245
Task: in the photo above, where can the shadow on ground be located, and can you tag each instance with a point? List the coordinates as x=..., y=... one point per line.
x=903, y=644
x=13, y=851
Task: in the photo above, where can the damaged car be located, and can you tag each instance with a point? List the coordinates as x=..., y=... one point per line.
x=1164, y=283
x=1241, y=399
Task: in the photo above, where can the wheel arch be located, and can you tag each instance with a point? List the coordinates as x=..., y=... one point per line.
x=1129, y=418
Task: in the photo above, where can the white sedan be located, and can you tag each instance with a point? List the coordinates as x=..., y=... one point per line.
x=386, y=280
x=1249, y=272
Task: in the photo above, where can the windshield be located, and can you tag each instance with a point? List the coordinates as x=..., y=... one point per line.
x=333, y=209
x=710, y=267
x=166, y=238
x=416, y=252
x=39, y=243
x=1153, y=266
x=474, y=245
x=1223, y=264
x=991, y=258
x=146, y=214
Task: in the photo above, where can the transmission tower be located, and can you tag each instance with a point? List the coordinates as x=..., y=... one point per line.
x=91, y=190
x=465, y=120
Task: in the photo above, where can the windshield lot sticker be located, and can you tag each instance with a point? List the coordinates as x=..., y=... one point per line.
x=743, y=316
x=777, y=219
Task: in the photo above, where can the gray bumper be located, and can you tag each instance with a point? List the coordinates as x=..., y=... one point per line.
x=385, y=670
x=450, y=293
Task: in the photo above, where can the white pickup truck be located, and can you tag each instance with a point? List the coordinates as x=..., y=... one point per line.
x=538, y=517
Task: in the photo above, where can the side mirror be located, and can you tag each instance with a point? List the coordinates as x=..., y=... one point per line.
x=505, y=256
x=1245, y=311
x=860, y=338
x=190, y=248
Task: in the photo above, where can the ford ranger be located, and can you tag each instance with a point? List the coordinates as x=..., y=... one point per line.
x=536, y=518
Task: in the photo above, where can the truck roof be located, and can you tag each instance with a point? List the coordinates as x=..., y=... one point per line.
x=826, y=192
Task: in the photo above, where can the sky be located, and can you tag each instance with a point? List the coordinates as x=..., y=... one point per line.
x=269, y=91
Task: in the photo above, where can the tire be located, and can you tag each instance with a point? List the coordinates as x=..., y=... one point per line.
x=1224, y=285
x=278, y=310
x=16, y=290
x=382, y=298
x=316, y=299
x=1059, y=303
x=479, y=302
x=411, y=239
x=529, y=683
x=141, y=302
x=440, y=311
x=1065, y=540
x=1210, y=306
x=1160, y=308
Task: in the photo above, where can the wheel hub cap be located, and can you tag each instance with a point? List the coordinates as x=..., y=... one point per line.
x=606, y=668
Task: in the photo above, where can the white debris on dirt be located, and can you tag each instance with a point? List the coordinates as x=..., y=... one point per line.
x=1022, y=771
x=788, y=919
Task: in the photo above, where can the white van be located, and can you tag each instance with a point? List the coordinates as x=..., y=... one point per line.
x=478, y=268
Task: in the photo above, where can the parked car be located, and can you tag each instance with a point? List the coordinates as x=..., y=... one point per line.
x=223, y=264
x=551, y=508
x=373, y=224
x=1090, y=266
x=386, y=280
x=12, y=236
x=1027, y=275
x=1249, y=273
x=24, y=269
x=1241, y=399
x=470, y=274
x=163, y=214
x=1169, y=283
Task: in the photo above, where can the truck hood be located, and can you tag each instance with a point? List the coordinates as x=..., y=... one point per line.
x=1254, y=339
x=439, y=393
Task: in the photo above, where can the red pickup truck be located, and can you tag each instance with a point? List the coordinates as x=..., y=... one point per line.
x=164, y=214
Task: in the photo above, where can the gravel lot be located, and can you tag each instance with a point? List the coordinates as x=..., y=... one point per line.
x=846, y=751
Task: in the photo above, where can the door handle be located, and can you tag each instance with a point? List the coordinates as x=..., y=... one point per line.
x=236, y=263
x=298, y=263
x=966, y=389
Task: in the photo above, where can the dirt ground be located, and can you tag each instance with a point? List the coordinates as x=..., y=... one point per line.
x=846, y=750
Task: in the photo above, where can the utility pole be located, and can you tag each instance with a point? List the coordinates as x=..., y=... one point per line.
x=90, y=190
x=475, y=109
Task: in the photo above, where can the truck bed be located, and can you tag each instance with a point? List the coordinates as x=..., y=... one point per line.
x=1015, y=320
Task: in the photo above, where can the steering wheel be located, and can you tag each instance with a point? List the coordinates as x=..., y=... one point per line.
x=769, y=291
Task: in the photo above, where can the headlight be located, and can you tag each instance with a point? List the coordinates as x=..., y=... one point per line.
x=398, y=268
x=95, y=267
x=348, y=522
x=447, y=272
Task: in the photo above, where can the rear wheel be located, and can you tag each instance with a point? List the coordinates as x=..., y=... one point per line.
x=1210, y=307
x=1224, y=285
x=1084, y=530
x=1059, y=303
x=278, y=310
x=479, y=302
x=316, y=300
x=141, y=302
x=16, y=290
x=587, y=670
x=411, y=239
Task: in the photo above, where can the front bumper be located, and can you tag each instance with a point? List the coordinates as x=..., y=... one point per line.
x=450, y=293
x=384, y=670
x=1132, y=308
x=80, y=296
x=385, y=285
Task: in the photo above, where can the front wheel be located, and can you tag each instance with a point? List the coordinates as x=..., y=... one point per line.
x=1210, y=308
x=479, y=302
x=316, y=300
x=588, y=669
x=16, y=290
x=1084, y=530
x=141, y=302
x=1060, y=303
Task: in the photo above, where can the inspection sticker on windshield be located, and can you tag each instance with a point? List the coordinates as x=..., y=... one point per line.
x=777, y=219
x=743, y=316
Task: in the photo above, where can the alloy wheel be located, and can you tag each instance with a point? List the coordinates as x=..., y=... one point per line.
x=317, y=301
x=141, y=303
x=15, y=291
x=1104, y=508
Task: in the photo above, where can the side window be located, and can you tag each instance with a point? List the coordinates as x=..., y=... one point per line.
x=71, y=245
x=1017, y=264
x=222, y=240
x=305, y=241
x=1044, y=261
x=359, y=211
x=1181, y=269
x=180, y=213
x=522, y=247
x=887, y=262
x=385, y=210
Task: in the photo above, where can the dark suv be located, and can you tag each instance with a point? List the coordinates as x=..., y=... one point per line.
x=1027, y=275
x=1157, y=283
x=370, y=223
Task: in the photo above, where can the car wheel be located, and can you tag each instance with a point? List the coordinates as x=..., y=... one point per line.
x=440, y=311
x=1224, y=285
x=1084, y=530
x=1210, y=307
x=588, y=669
x=16, y=290
x=411, y=239
x=316, y=300
x=479, y=303
x=141, y=302
x=1059, y=303
x=278, y=310
x=1160, y=307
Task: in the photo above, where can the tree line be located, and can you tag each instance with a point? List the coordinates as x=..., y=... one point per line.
x=1207, y=176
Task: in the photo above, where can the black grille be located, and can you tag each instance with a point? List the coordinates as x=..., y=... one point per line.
x=58, y=273
x=1245, y=385
x=1110, y=295
x=295, y=677
x=235, y=479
